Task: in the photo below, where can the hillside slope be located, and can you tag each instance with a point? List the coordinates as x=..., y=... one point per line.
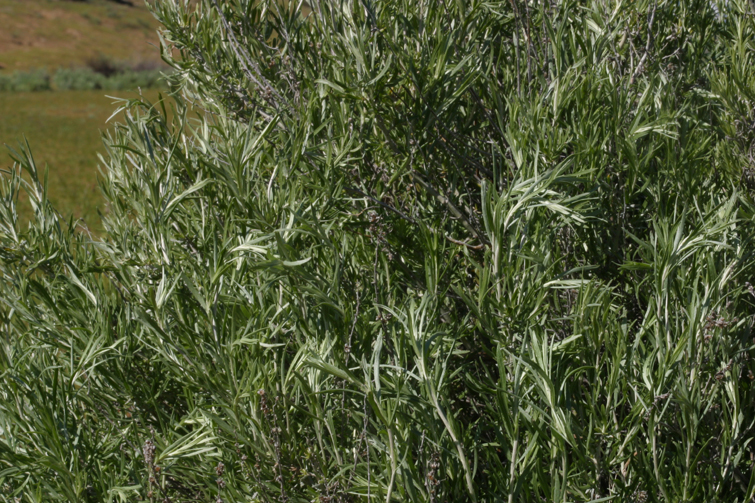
x=59, y=33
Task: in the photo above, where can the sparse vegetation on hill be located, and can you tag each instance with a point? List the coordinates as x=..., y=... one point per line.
x=59, y=34
x=401, y=251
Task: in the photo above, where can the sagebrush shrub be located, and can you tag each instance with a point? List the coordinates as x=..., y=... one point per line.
x=411, y=251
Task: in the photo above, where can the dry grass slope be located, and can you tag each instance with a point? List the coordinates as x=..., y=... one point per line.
x=54, y=33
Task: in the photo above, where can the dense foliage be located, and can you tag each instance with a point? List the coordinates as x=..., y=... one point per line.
x=463, y=250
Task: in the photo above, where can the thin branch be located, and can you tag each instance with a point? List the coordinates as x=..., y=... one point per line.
x=411, y=220
x=259, y=80
x=454, y=210
x=648, y=46
x=381, y=203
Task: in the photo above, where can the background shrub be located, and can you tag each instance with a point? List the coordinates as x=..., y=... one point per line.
x=84, y=78
x=77, y=78
x=134, y=79
x=101, y=73
x=104, y=66
x=458, y=251
x=34, y=80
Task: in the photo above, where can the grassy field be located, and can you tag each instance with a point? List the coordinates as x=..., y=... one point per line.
x=63, y=129
x=52, y=34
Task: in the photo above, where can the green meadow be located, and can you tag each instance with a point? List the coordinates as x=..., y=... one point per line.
x=64, y=130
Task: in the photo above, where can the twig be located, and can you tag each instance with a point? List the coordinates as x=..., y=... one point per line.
x=386, y=206
x=411, y=220
x=517, y=23
x=454, y=210
x=649, y=43
x=245, y=60
x=464, y=243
